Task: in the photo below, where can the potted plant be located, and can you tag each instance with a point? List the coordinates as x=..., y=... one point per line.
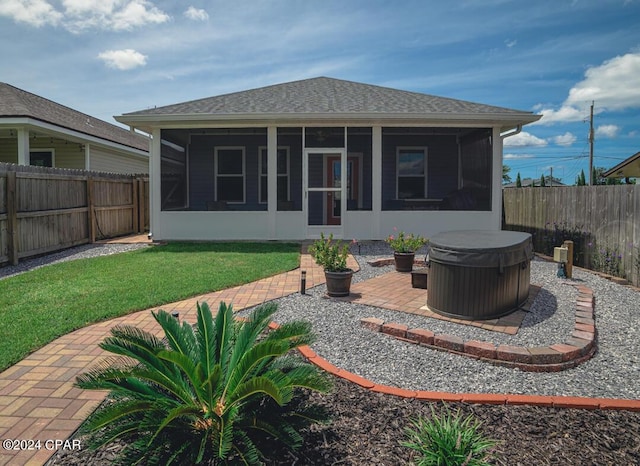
x=332, y=256
x=404, y=249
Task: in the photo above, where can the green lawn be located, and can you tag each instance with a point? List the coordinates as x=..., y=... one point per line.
x=41, y=305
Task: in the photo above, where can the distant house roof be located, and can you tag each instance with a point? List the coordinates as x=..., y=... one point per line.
x=17, y=103
x=629, y=168
x=329, y=98
x=527, y=182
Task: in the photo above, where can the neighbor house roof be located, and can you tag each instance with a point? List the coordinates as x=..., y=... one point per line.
x=16, y=103
x=629, y=168
x=330, y=99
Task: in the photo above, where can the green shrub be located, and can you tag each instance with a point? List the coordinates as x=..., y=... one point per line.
x=448, y=440
x=205, y=395
x=330, y=255
x=405, y=243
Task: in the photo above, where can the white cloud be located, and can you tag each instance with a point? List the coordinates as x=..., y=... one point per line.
x=614, y=85
x=137, y=13
x=123, y=59
x=196, y=14
x=33, y=12
x=607, y=131
x=524, y=139
x=518, y=156
x=510, y=43
x=563, y=114
x=565, y=139
x=81, y=15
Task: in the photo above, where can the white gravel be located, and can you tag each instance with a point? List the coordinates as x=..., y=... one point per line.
x=614, y=372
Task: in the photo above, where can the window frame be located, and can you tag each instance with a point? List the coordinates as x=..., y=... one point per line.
x=52, y=152
x=279, y=175
x=242, y=175
x=424, y=150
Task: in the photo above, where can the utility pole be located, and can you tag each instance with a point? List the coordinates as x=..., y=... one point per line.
x=551, y=180
x=591, y=138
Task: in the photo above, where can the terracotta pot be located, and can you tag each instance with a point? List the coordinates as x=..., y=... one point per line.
x=404, y=261
x=338, y=283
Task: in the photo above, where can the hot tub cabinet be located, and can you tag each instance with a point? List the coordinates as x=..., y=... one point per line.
x=478, y=275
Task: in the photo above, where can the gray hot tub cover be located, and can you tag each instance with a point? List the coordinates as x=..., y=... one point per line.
x=481, y=248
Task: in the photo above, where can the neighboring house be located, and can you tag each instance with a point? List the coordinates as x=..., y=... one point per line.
x=528, y=182
x=629, y=168
x=37, y=131
x=293, y=160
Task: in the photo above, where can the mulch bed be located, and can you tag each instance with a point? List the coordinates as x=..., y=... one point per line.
x=367, y=429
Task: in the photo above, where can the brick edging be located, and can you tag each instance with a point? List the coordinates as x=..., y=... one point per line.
x=550, y=401
x=578, y=348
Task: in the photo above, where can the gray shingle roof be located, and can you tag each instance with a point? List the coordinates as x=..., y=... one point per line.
x=327, y=95
x=15, y=102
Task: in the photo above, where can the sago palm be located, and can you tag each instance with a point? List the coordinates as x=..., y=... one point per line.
x=204, y=395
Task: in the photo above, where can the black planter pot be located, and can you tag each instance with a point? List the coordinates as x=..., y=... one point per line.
x=338, y=283
x=404, y=261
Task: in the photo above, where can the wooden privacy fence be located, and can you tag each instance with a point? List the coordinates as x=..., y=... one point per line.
x=603, y=221
x=44, y=210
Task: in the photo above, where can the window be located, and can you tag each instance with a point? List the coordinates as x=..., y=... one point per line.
x=41, y=158
x=283, y=174
x=230, y=173
x=411, y=173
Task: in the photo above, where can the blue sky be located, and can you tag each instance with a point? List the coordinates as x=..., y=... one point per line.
x=108, y=57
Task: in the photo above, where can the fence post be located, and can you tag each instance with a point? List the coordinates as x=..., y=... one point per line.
x=142, y=196
x=569, y=245
x=12, y=217
x=91, y=215
x=136, y=206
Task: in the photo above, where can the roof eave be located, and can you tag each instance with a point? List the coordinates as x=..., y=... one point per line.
x=625, y=169
x=147, y=122
x=35, y=124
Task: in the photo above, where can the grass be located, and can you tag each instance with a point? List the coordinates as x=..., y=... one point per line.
x=43, y=304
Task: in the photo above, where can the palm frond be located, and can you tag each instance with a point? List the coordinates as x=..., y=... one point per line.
x=179, y=411
x=296, y=333
x=213, y=340
x=254, y=325
x=281, y=431
x=188, y=367
x=181, y=338
x=111, y=412
x=258, y=385
x=135, y=343
x=248, y=454
x=252, y=361
x=309, y=377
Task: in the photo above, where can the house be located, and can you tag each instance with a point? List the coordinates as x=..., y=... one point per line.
x=37, y=131
x=292, y=160
x=629, y=168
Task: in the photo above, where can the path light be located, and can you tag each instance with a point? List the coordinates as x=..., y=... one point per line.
x=303, y=282
x=175, y=314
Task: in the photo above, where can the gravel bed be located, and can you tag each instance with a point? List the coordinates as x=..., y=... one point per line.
x=78, y=252
x=614, y=372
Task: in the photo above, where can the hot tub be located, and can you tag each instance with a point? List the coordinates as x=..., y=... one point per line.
x=478, y=275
